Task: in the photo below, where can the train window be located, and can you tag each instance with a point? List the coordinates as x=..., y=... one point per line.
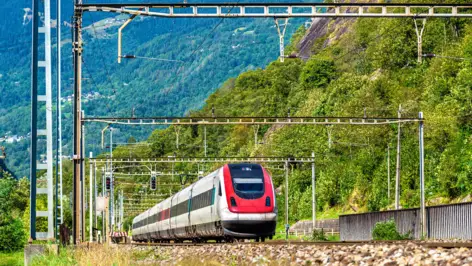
x=213, y=196
x=204, y=199
x=249, y=187
x=248, y=180
x=220, y=193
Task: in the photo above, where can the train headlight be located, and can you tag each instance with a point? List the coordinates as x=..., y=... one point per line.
x=233, y=202
x=268, y=201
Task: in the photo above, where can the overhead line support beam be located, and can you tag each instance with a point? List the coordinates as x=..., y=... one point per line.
x=249, y=120
x=284, y=10
x=207, y=160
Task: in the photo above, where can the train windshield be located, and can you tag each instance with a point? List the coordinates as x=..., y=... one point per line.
x=248, y=180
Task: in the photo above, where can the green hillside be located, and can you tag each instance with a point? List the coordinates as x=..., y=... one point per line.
x=359, y=67
x=362, y=68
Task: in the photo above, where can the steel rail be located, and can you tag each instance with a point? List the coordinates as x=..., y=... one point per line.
x=323, y=243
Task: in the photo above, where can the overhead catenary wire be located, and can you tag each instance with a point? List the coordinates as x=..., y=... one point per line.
x=150, y=58
x=431, y=55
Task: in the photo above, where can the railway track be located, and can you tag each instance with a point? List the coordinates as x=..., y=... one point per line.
x=425, y=244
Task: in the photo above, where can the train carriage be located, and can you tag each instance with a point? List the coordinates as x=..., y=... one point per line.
x=237, y=201
x=153, y=226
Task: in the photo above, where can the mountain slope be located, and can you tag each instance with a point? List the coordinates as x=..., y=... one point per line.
x=211, y=51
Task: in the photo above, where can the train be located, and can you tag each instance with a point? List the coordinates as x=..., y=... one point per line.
x=234, y=202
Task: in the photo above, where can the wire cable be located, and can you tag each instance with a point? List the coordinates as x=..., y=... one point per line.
x=150, y=58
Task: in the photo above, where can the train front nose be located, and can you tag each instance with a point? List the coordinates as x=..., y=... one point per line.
x=248, y=189
x=250, y=224
x=250, y=199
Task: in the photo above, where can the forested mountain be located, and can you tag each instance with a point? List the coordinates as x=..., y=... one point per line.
x=210, y=51
x=358, y=67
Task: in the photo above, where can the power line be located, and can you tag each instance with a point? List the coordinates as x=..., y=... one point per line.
x=150, y=58
x=447, y=57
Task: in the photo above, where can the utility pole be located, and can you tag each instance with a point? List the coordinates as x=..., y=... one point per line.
x=95, y=198
x=205, y=139
x=44, y=62
x=104, y=195
x=59, y=206
x=286, y=200
x=34, y=119
x=422, y=197
x=256, y=130
x=77, y=155
x=177, y=133
x=91, y=200
x=388, y=173
x=330, y=141
x=419, y=36
x=172, y=171
x=112, y=196
x=121, y=211
x=82, y=183
x=397, y=176
x=313, y=191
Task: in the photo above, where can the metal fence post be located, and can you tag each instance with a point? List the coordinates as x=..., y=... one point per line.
x=422, y=199
x=286, y=200
x=91, y=200
x=313, y=191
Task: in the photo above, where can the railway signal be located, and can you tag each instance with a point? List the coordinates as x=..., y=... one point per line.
x=153, y=182
x=108, y=182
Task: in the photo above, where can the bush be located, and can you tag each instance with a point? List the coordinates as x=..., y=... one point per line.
x=12, y=235
x=12, y=258
x=388, y=231
x=319, y=235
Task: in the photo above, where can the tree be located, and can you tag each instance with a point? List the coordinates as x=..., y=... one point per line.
x=12, y=235
x=131, y=140
x=317, y=73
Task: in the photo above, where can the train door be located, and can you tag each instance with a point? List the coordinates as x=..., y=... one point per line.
x=219, y=196
x=190, y=229
x=214, y=196
x=171, y=223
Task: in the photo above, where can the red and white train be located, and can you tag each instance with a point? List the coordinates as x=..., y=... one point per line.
x=237, y=201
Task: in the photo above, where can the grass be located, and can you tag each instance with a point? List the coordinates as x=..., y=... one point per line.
x=84, y=255
x=12, y=259
x=98, y=255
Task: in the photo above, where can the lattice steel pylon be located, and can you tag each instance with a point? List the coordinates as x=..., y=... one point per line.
x=43, y=61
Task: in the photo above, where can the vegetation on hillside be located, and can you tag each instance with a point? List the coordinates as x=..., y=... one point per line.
x=368, y=69
x=13, y=202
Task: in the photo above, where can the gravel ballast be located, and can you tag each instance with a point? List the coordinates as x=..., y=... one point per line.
x=363, y=254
